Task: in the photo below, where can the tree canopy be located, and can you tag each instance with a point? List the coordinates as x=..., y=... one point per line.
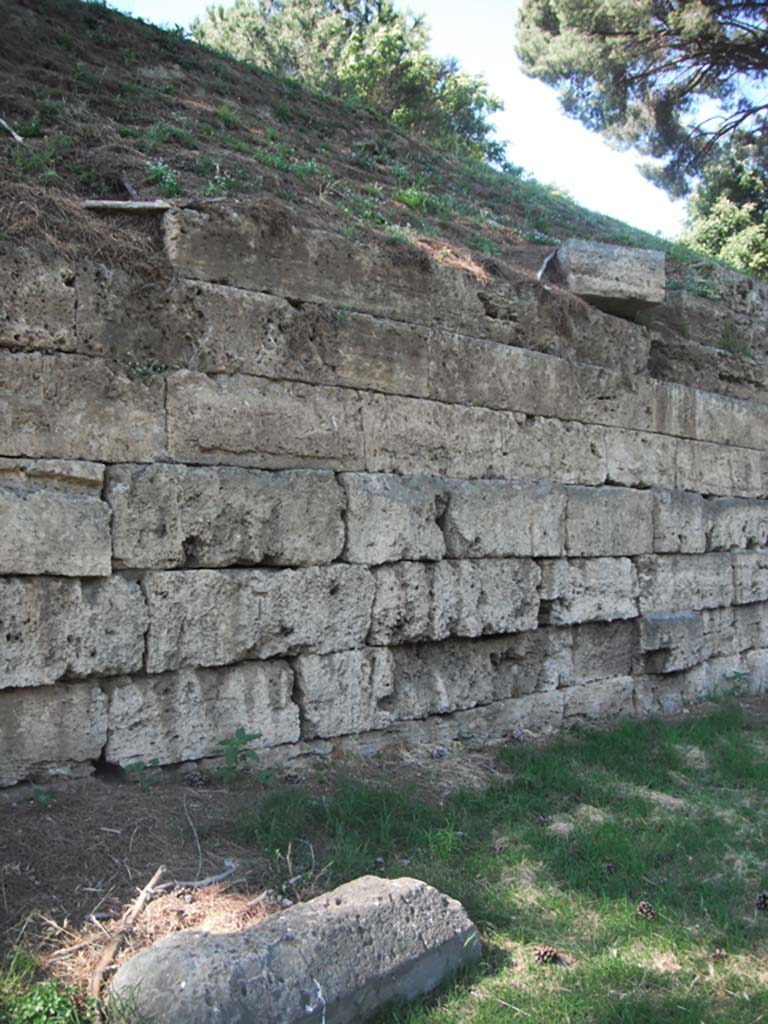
x=364, y=50
x=679, y=79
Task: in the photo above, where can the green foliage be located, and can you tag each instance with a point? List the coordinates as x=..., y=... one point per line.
x=147, y=774
x=43, y=797
x=363, y=51
x=159, y=133
x=237, y=754
x=22, y=1001
x=167, y=181
x=637, y=70
x=229, y=116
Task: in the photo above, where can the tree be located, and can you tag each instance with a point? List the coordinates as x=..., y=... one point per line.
x=676, y=78
x=364, y=50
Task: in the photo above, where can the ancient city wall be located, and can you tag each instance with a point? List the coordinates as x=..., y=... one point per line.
x=344, y=494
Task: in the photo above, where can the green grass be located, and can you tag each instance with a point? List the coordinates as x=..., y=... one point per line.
x=674, y=813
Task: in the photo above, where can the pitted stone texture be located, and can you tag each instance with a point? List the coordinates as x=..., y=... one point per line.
x=167, y=516
x=602, y=650
x=51, y=733
x=750, y=576
x=673, y=583
x=719, y=469
x=679, y=522
x=209, y=617
x=588, y=589
x=615, y=278
x=756, y=667
x=53, y=519
x=393, y=518
x=608, y=521
x=39, y=301
x=599, y=701
x=637, y=459
x=501, y=519
x=55, y=629
x=247, y=421
x=735, y=523
x=422, y=601
x=343, y=693
x=341, y=958
x=183, y=716
x=750, y=623
x=71, y=407
x=676, y=641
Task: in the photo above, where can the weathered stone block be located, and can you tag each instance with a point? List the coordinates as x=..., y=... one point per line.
x=601, y=700
x=216, y=617
x=535, y=714
x=390, y=518
x=342, y=957
x=344, y=693
x=39, y=301
x=183, y=716
x=615, y=278
x=166, y=516
x=756, y=667
x=735, y=523
x=605, y=521
x=247, y=421
x=673, y=641
x=636, y=459
x=71, y=407
x=588, y=589
x=422, y=601
x=718, y=469
x=672, y=583
x=602, y=650
x=679, y=522
x=502, y=518
x=54, y=521
x=750, y=623
x=52, y=732
x=750, y=576
x=56, y=629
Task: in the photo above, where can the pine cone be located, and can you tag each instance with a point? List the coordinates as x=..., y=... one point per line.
x=646, y=910
x=761, y=901
x=195, y=779
x=718, y=954
x=547, y=955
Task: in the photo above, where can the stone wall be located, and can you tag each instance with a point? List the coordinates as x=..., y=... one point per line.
x=343, y=495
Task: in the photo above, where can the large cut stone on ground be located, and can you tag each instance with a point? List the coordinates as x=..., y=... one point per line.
x=338, y=959
x=614, y=278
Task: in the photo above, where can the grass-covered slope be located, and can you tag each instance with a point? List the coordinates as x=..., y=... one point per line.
x=110, y=107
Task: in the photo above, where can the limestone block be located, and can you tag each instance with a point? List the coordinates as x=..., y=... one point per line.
x=343, y=693
x=56, y=629
x=673, y=641
x=756, y=667
x=637, y=459
x=672, y=583
x=424, y=601
x=247, y=421
x=725, y=420
x=184, y=716
x=750, y=623
x=342, y=957
x=617, y=279
x=51, y=733
x=679, y=522
x=602, y=650
x=72, y=407
x=536, y=715
x=736, y=523
x=718, y=469
x=166, y=516
x=390, y=518
x=598, y=701
x=39, y=304
x=588, y=589
x=750, y=576
x=208, y=617
x=442, y=678
x=503, y=518
x=605, y=521
x=53, y=519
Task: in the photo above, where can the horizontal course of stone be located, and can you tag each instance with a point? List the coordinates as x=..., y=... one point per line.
x=338, y=496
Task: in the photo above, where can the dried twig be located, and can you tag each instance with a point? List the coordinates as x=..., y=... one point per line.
x=231, y=868
x=14, y=135
x=197, y=839
x=109, y=954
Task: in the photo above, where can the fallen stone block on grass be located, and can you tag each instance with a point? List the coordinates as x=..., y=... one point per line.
x=338, y=959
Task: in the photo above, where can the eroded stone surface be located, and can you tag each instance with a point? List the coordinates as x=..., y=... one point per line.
x=344, y=693
x=679, y=522
x=618, y=279
x=673, y=583
x=588, y=589
x=413, y=937
x=605, y=521
x=501, y=519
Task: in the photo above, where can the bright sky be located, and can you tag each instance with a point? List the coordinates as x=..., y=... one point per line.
x=553, y=147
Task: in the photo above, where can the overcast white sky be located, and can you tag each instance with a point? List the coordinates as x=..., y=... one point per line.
x=555, y=148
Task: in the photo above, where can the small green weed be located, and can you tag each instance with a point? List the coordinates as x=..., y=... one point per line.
x=237, y=756
x=24, y=1001
x=229, y=117
x=733, y=342
x=147, y=774
x=43, y=797
x=166, y=180
x=161, y=133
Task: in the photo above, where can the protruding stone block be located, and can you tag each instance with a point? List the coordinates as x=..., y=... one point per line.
x=608, y=521
x=679, y=522
x=588, y=589
x=344, y=693
x=183, y=716
x=673, y=583
x=750, y=576
x=55, y=629
x=638, y=459
x=51, y=733
x=503, y=518
x=166, y=516
x=342, y=957
x=217, y=617
x=53, y=519
x=602, y=650
x=422, y=601
x=599, y=701
x=393, y=518
x=615, y=278
x=736, y=523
